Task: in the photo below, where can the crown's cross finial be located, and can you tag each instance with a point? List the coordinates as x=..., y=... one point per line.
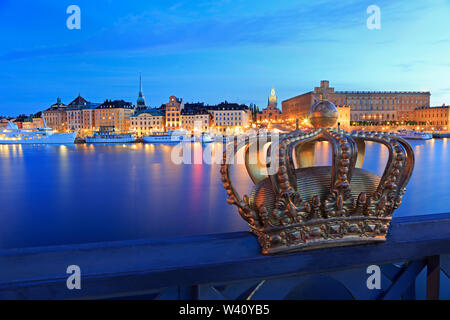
x=323, y=91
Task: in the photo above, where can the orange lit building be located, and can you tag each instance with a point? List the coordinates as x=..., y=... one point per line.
x=80, y=115
x=56, y=116
x=374, y=106
x=195, y=120
x=3, y=123
x=173, y=113
x=115, y=114
x=33, y=123
x=230, y=116
x=438, y=117
x=38, y=122
x=344, y=117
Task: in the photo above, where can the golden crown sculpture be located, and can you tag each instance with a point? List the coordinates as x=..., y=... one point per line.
x=303, y=206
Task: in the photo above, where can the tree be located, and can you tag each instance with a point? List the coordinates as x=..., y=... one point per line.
x=254, y=109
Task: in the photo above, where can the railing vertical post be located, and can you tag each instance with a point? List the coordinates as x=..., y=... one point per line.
x=433, y=277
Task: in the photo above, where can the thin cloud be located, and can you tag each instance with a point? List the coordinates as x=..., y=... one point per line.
x=155, y=31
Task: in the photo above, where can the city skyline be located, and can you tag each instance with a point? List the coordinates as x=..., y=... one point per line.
x=215, y=51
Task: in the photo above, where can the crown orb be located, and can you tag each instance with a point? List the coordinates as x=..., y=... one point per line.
x=323, y=114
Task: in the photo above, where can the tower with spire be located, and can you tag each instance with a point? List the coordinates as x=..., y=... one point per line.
x=140, y=103
x=272, y=101
x=271, y=113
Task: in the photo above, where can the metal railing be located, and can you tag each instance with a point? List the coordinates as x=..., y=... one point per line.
x=230, y=266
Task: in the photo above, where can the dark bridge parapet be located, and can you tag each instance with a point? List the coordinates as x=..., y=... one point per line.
x=230, y=266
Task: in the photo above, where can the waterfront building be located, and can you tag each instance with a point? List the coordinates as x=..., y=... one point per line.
x=438, y=117
x=173, y=113
x=3, y=123
x=38, y=122
x=80, y=115
x=344, y=116
x=113, y=114
x=56, y=116
x=373, y=106
x=140, y=102
x=271, y=113
x=195, y=119
x=147, y=121
x=88, y=119
x=228, y=117
x=33, y=123
x=23, y=122
x=74, y=118
x=18, y=123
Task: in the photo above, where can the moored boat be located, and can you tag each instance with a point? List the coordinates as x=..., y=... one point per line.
x=169, y=137
x=13, y=135
x=110, y=136
x=414, y=135
x=205, y=138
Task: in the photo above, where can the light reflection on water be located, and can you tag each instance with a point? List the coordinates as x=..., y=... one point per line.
x=84, y=193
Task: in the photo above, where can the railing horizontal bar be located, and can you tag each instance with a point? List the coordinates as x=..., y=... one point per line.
x=115, y=268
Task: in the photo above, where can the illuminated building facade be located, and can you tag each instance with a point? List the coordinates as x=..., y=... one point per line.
x=115, y=114
x=195, y=120
x=230, y=116
x=56, y=116
x=80, y=115
x=147, y=121
x=88, y=122
x=438, y=117
x=373, y=106
x=344, y=117
x=3, y=123
x=173, y=113
x=38, y=122
x=33, y=123
x=271, y=113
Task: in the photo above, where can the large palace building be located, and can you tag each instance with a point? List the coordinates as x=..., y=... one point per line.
x=438, y=117
x=374, y=106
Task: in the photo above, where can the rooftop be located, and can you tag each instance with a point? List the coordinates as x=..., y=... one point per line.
x=110, y=104
x=152, y=112
x=382, y=92
x=79, y=101
x=367, y=92
x=228, y=106
x=57, y=106
x=194, y=111
x=433, y=107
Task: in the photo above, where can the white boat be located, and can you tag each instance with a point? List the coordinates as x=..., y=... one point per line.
x=13, y=135
x=414, y=135
x=205, y=138
x=169, y=137
x=110, y=136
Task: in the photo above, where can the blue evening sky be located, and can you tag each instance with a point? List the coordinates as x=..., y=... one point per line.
x=218, y=50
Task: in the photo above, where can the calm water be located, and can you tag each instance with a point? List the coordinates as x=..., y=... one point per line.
x=82, y=193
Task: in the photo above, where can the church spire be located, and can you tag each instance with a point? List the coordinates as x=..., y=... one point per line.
x=140, y=103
